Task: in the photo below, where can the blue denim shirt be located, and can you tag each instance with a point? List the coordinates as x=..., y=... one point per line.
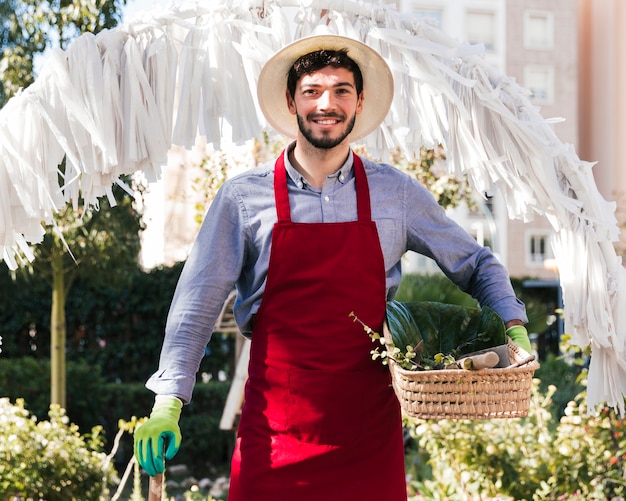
x=233, y=246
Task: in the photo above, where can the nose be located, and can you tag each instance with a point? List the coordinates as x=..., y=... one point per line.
x=325, y=100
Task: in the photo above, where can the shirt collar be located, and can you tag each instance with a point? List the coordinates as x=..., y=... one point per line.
x=343, y=174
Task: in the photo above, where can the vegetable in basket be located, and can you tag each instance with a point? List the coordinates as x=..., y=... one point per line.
x=442, y=333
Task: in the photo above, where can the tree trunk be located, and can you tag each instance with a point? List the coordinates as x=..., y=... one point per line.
x=57, y=333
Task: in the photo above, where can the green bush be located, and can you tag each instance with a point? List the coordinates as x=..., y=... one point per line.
x=92, y=402
x=433, y=287
x=49, y=459
x=28, y=378
x=470, y=458
x=555, y=371
x=118, y=330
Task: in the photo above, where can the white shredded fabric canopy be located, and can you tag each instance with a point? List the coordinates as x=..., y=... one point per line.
x=113, y=104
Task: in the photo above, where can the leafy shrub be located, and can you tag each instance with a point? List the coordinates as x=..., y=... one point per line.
x=117, y=329
x=588, y=456
x=49, y=459
x=28, y=378
x=489, y=457
x=432, y=288
x=555, y=371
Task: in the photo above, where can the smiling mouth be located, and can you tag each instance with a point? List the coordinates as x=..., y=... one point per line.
x=326, y=120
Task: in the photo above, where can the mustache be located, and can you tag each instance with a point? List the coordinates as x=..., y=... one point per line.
x=317, y=116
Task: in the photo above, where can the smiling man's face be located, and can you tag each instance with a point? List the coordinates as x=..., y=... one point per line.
x=326, y=104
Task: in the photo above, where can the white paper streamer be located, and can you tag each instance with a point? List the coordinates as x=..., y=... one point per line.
x=114, y=103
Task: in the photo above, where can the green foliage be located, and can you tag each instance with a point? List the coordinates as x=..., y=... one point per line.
x=443, y=328
x=29, y=27
x=49, y=459
x=429, y=169
x=98, y=245
x=556, y=371
x=213, y=171
x=24, y=309
x=92, y=402
x=29, y=379
x=414, y=288
x=589, y=455
x=119, y=330
x=486, y=457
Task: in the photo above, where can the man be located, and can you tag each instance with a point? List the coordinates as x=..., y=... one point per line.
x=306, y=240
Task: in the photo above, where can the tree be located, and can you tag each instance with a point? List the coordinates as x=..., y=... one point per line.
x=82, y=240
x=101, y=245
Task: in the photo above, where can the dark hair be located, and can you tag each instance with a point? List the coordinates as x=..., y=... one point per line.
x=317, y=60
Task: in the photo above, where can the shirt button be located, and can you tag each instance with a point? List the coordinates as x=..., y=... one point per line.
x=300, y=184
x=341, y=177
x=326, y=198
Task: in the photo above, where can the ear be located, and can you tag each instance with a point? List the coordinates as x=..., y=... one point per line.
x=359, y=103
x=291, y=104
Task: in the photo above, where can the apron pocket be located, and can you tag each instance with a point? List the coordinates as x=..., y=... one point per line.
x=328, y=407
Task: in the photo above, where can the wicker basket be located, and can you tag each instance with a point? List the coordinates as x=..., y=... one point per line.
x=466, y=394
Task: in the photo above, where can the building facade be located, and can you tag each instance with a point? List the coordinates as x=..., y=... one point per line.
x=534, y=42
x=602, y=99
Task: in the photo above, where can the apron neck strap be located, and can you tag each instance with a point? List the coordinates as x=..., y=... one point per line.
x=281, y=193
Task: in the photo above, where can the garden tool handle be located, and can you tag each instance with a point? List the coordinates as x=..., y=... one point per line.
x=485, y=360
x=155, y=486
x=155, y=492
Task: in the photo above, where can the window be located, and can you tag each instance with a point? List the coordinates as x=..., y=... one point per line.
x=481, y=28
x=433, y=15
x=538, y=249
x=538, y=30
x=539, y=80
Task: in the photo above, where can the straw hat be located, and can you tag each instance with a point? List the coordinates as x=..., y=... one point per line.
x=377, y=83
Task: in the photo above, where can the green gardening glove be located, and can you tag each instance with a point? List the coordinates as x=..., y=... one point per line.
x=160, y=432
x=519, y=335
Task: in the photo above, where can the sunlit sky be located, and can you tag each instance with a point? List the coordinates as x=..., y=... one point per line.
x=134, y=7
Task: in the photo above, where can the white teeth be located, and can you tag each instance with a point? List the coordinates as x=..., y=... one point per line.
x=326, y=122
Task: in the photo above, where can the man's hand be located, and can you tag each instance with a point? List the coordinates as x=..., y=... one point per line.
x=160, y=432
x=519, y=335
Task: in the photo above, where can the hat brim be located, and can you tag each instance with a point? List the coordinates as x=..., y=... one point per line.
x=377, y=83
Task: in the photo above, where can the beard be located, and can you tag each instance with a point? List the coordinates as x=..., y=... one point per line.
x=325, y=142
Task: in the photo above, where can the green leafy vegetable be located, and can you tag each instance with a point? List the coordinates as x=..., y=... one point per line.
x=444, y=328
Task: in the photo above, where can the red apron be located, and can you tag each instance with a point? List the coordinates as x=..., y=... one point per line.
x=320, y=420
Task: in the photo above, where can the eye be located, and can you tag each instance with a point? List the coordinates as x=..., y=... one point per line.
x=344, y=91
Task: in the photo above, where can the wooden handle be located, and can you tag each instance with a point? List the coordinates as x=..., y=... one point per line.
x=155, y=492
x=482, y=361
